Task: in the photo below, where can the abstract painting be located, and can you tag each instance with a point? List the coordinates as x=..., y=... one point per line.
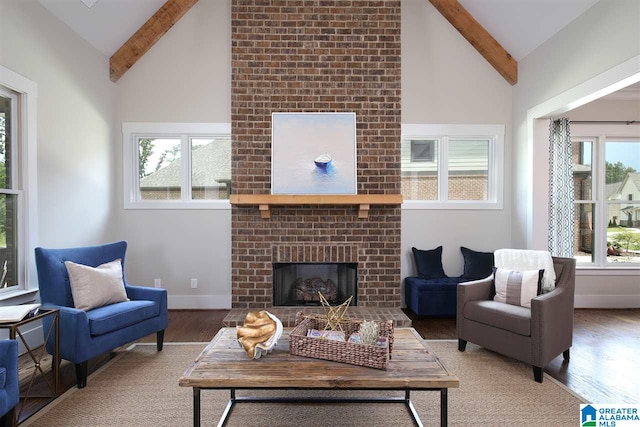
x=313, y=153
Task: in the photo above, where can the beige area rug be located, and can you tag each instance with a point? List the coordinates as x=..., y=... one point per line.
x=140, y=388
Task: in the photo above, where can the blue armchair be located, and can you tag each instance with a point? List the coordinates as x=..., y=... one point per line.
x=87, y=334
x=9, y=387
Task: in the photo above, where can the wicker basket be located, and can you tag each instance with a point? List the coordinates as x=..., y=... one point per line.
x=340, y=351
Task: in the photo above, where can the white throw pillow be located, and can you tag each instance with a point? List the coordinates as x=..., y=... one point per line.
x=94, y=287
x=517, y=287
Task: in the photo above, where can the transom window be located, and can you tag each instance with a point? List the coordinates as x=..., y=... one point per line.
x=177, y=165
x=452, y=166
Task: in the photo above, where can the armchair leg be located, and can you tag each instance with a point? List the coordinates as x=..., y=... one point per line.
x=81, y=373
x=565, y=354
x=8, y=419
x=538, y=373
x=159, y=339
x=462, y=345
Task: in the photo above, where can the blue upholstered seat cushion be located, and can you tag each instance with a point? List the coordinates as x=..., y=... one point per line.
x=441, y=284
x=432, y=297
x=477, y=265
x=429, y=263
x=3, y=376
x=117, y=316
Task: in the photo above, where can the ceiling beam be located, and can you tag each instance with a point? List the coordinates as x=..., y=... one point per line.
x=479, y=38
x=146, y=36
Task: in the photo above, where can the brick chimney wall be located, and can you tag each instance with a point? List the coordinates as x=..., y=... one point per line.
x=316, y=56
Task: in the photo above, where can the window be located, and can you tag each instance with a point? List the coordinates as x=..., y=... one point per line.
x=422, y=151
x=452, y=166
x=8, y=192
x=17, y=204
x=177, y=165
x=607, y=196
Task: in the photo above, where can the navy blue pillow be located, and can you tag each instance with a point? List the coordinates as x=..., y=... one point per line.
x=477, y=265
x=429, y=263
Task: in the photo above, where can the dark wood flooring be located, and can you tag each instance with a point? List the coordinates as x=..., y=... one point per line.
x=604, y=365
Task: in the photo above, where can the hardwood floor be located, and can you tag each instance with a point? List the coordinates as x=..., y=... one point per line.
x=605, y=356
x=604, y=365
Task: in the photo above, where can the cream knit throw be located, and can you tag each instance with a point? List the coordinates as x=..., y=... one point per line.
x=524, y=260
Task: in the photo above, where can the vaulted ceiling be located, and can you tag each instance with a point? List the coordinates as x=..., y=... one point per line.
x=514, y=28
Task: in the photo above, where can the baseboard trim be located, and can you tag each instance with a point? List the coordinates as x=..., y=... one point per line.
x=211, y=302
x=607, y=301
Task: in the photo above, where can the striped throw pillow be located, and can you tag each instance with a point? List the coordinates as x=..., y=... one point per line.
x=517, y=287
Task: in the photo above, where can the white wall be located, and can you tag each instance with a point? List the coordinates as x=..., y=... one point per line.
x=608, y=109
x=198, y=246
x=76, y=106
x=185, y=77
x=445, y=80
x=75, y=113
x=582, y=55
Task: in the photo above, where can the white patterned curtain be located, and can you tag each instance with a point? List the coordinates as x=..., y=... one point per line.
x=561, y=196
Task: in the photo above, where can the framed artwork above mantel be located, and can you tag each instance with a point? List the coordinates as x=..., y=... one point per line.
x=313, y=153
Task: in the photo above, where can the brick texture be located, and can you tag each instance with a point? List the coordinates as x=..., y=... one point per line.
x=316, y=56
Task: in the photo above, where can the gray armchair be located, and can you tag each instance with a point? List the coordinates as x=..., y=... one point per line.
x=534, y=336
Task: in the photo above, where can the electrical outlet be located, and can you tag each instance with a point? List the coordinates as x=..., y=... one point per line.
x=157, y=283
x=194, y=283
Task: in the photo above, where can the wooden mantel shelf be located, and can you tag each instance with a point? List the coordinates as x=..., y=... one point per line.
x=265, y=201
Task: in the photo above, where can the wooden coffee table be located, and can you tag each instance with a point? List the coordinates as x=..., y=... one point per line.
x=223, y=364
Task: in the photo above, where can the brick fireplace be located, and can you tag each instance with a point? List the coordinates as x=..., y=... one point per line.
x=316, y=56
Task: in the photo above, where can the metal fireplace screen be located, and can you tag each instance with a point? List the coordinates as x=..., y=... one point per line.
x=296, y=284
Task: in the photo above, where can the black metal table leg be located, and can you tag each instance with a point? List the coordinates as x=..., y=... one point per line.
x=412, y=409
x=233, y=399
x=196, y=407
x=227, y=411
x=443, y=407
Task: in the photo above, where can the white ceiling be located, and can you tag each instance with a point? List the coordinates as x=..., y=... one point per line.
x=520, y=26
x=108, y=24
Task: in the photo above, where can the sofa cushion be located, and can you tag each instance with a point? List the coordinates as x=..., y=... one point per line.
x=432, y=297
x=3, y=377
x=477, y=265
x=509, y=317
x=93, y=287
x=517, y=287
x=429, y=263
x=113, y=317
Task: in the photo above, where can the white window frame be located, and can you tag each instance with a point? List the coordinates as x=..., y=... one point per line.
x=25, y=184
x=443, y=132
x=183, y=131
x=598, y=182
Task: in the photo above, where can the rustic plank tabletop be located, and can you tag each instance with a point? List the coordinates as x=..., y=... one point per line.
x=223, y=364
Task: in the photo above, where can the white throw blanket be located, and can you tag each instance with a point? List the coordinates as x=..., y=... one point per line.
x=524, y=260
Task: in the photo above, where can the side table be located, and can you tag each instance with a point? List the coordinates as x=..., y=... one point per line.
x=36, y=355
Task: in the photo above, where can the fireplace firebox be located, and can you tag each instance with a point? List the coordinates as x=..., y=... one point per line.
x=298, y=284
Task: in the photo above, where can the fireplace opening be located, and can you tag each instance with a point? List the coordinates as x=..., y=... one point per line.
x=297, y=284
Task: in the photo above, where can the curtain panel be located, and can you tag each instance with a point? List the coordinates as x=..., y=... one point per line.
x=561, y=190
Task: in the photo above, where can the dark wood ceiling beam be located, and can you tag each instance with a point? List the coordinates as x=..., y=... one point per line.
x=479, y=38
x=152, y=30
